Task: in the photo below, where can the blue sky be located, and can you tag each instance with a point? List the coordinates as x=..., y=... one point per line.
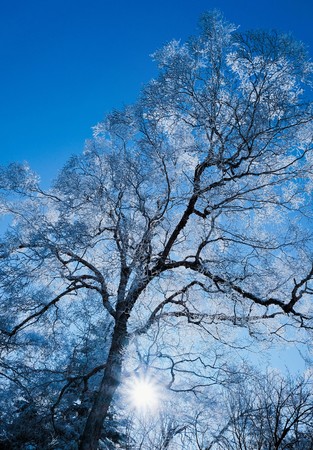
x=64, y=64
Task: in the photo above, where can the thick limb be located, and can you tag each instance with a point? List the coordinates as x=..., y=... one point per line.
x=110, y=381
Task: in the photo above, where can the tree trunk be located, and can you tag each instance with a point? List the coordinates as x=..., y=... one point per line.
x=111, y=379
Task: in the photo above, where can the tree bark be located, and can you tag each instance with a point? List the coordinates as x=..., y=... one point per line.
x=110, y=381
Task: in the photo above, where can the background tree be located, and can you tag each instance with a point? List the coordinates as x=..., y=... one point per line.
x=186, y=218
x=267, y=412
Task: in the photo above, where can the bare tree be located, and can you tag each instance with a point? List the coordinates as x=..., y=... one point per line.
x=268, y=413
x=190, y=207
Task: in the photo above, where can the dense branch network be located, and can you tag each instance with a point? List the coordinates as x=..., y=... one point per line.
x=188, y=212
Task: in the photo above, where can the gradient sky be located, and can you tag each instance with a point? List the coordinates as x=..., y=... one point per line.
x=66, y=63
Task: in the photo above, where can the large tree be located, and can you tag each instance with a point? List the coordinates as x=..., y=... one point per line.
x=187, y=215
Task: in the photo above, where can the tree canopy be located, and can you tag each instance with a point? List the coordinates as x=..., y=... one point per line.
x=180, y=239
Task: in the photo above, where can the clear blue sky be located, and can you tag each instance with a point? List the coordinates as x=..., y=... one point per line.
x=65, y=63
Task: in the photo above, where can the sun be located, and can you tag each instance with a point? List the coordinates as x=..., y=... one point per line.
x=142, y=393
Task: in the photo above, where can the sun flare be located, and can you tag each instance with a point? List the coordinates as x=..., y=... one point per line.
x=143, y=393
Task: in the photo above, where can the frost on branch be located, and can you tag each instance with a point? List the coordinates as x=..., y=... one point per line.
x=178, y=243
